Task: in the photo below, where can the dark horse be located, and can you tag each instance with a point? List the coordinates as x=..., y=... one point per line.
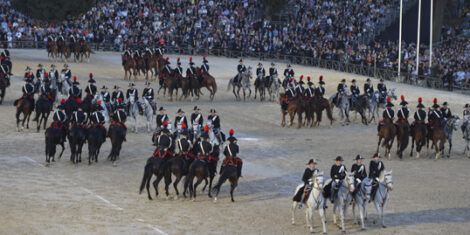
x=387, y=132
x=418, y=135
x=230, y=172
x=438, y=137
x=3, y=87
x=96, y=137
x=403, y=136
x=198, y=169
x=177, y=166
x=77, y=137
x=208, y=82
x=54, y=136
x=23, y=106
x=43, y=110
x=117, y=134
x=154, y=166
x=318, y=105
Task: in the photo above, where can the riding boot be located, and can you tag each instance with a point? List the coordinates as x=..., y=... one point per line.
x=154, y=107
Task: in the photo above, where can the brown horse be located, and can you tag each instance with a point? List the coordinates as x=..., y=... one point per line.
x=159, y=65
x=387, y=132
x=320, y=104
x=129, y=66
x=438, y=137
x=65, y=53
x=208, y=82
x=403, y=137
x=418, y=135
x=85, y=51
x=295, y=107
x=76, y=51
x=53, y=51
x=149, y=67
x=23, y=106
x=140, y=62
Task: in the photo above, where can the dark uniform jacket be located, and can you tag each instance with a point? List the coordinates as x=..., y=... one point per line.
x=320, y=91
x=260, y=72
x=197, y=119
x=308, y=174
x=40, y=72
x=309, y=92
x=28, y=89
x=191, y=71
x=403, y=113
x=119, y=116
x=106, y=97
x=300, y=90
x=215, y=120
x=368, y=89
x=59, y=116
x=180, y=120
x=76, y=92
x=97, y=117
x=79, y=117
x=67, y=73
x=359, y=171
x=446, y=113
x=164, y=141
x=382, y=88
x=204, y=148
x=420, y=115
x=54, y=74
x=338, y=172
x=434, y=115
x=148, y=93
x=375, y=168
x=272, y=71
x=91, y=89
x=205, y=68
x=388, y=113
x=184, y=145
x=340, y=88
x=117, y=95
x=290, y=93
x=134, y=92
x=231, y=150
x=241, y=68
x=161, y=119
x=179, y=71
x=289, y=73
x=355, y=90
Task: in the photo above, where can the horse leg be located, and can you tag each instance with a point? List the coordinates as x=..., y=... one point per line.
x=232, y=188
x=195, y=187
x=167, y=179
x=292, y=211
x=27, y=122
x=436, y=147
x=378, y=144
x=450, y=147
x=38, y=121
x=334, y=214
x=175, y=185
x=321, y=211
x=155, y=184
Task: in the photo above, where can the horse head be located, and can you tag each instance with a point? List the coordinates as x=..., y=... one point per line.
x=388, y=180
x=393, y=93
x=366, y=188
x=350, y=181
x=455, y=121
x=318, y=180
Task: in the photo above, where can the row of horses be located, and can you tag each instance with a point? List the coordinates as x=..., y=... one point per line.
x=61, y=51
x=347, y=194
x=269, y=84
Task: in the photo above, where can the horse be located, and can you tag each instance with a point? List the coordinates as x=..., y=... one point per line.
x=466, y=136
x=77, y=138
x=387, y=132
x=315, y=201
x=438, y=137
x=376, y=102
x=23, y=106
x=129, y=66
x=450, y=125
x=273, y=86
x=43, y=110
x=341, y=201
x=359, y=105
x=198, y=169
x=76, y=51
x=66, y=84
x=403, y=136
x=53, y=52
x=178, y=166
x=53, y=137
x=85, y=51
x=148, y=112
x=260, y=87
x=418, y=135
x=96, y=137
x=243, y=82
x=208, y=82
x=65, y=53
x=295, y=106
x=360, y=199
x=318, y=105
x=385, y=185
x=3, y=87
x=133, y=112
x=230, y=173
x=154, y=166
x=341, y=101
x=117, y=134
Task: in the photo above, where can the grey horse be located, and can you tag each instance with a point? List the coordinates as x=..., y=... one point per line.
x=242, y=83
x=342, y=103
x=360, y=200
x=341, y=200
x=451, y=125
x=375, y=103
x=384, y=186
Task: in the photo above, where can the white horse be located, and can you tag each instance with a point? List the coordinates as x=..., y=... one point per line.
x=384, y=186
x=466, y=135
x=103, y=105
x=375, y=103
x=451, y=125
x=215, y=141
x=273, y=88
x=361, y=198
x=341, y=201
x=148, y=112
x=315, y=201
x=66, y=84
x=133, y=111
x=342, y=103
x=243, y=83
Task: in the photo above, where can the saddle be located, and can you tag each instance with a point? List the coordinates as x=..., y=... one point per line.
x=158, y=153
x=115, y=123
x=229, y=161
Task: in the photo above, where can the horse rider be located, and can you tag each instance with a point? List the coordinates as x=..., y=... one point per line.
x=204, y=69
x=288, y=74
x=260, y=74
x=60, y=119
x=117, y=94
x=97, y=117
x=341, y=89
x=466, y=117
x=337, y=174
x=40, y=72
x=403, y=112
x=191, y=71
x=5, y=73
x=134, y=93
x=446, y=113
x=241, y=69
x=320, y=90
x=164, y=142
x=167, y=69
x=355, y=92
x=185, y=146
x=75, y=92
x=45, y=90
x=197, y=120
x=388, y=113
x=375, y=168
x=359, y=171
x=158, y=52
x=162, y=118
x=310, y=90
x=28, y=93
x=204, y=147
x=178, y=69
x=382, y=88
x=419, y=115
x=28, y=75
x=215, y=122
x=91, y=89
x=272, y=72
x=54, y=74
x=368, y=88
x=66, y=75
x=50, y=40
x=79, y=117
x=149, y=95
x=434, y=116
x=230, y=151
x=179, y=120
x=302, y=194
x=105, y=95
x=300, y=90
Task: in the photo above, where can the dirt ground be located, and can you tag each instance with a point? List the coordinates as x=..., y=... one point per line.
x=429, y=197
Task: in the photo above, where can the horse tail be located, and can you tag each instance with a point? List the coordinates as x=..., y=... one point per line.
x=214, y=87
x=229, y=86
x=147, y=176
x=404, y=139
x=386, y=140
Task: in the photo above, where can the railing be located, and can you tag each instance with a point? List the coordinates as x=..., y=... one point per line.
x=343, y=66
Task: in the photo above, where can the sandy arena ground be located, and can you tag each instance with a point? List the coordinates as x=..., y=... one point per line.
x=429, y=197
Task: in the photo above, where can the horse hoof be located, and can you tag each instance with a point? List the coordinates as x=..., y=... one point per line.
x=215, y=200
x=384, y=226
x=193, y=200
x=363, y=229
x=176, y=197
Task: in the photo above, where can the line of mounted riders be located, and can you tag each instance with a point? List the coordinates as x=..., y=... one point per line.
x=439, y=128
x=5, y=73
x=193, y=154
x=151, y=63
x=62, y=46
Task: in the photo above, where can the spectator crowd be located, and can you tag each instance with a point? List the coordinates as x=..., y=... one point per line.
x=320, y=29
